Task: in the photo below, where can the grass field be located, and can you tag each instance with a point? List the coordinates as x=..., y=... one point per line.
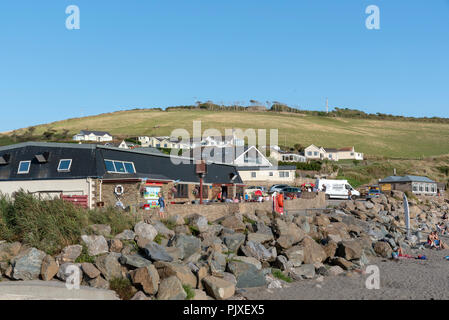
x=372, y=137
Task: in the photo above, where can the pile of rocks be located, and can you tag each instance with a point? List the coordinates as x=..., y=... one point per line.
x=185, y=256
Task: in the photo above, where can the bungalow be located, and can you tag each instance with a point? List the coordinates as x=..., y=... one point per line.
x=313, y=152
x=162, y=142
x=415, y=184
x=279, y=174
x=286, y=156
x=98, y=136
x=96, y=175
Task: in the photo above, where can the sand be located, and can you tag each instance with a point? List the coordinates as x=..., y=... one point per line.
x=406, y=279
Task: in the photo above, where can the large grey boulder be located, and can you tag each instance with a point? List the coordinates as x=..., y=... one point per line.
x=126, y=235
x=27, y=265
x=219, y=289
x=69, y=254
x=163, y=230
x=246, y=274
x=180, y=271
x=157, y=252
x=145, y=230
x=134, y=260
x=258, y=251
x=260, y=237
x=147, y=278
x=189, y=245
x=95, y=244
x=295, y=256
x=305, y=271
x=350, y=249
x=109, y=265
x=200, y=223
x=9, y=250
x=171, y=289
x=217, y=262
x=234, y=241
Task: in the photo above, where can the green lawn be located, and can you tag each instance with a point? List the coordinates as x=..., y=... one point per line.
x=372, y=137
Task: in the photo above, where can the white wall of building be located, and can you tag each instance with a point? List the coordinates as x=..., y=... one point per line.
x=287, y=176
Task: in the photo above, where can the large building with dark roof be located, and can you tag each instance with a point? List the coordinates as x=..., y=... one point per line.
x=415, y=184
x=107, y=175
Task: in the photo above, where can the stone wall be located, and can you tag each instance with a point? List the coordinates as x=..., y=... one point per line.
x=218, y=210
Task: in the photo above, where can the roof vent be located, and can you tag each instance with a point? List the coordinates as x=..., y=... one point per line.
x=4, y=159
x=42, y=158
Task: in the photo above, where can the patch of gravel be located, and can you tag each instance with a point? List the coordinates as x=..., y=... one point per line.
x=404, y=279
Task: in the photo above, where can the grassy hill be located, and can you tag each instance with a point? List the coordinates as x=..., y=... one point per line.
x=379, y=138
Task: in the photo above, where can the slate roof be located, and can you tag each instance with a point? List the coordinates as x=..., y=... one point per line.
x=408, y=178
x=88, y=161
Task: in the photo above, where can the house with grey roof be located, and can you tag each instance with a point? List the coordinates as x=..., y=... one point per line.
x=416, y=184
x=88, y=135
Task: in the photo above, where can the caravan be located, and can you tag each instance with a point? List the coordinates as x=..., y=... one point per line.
x=337, y=189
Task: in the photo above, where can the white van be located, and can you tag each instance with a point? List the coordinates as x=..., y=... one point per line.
x=337, y=189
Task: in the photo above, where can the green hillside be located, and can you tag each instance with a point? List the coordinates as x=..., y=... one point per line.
x=373, y=137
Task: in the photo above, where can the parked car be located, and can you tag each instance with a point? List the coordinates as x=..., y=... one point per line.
x=252, y=189
x=291, y=192
x=373, y=193
x=277, y=187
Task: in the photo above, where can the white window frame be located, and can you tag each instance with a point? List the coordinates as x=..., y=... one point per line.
x=123, y=162
x=65, y=170
x=132, y=163
x=115, y=169
x=20, y=164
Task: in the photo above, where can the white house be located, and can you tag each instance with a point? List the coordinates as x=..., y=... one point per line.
x=98, y=136
x=280, y=174
x=313, y=152
x=286, y=156
x=238, y=156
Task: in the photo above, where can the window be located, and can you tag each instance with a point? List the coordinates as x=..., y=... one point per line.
x=158, y=145
x=330, y=155
x=181, y=191
x=129, y=166
x=427, y=188
x=284, y=174
x=415, y=188
x=165, y=145
x=253, y=174
x=315, y=153
x=119, y=166
x=24, y=167
x=421, y=187
x=109, y=165
x=309, y=153
x=271, y=174
x=352, y=153
x=64, y=165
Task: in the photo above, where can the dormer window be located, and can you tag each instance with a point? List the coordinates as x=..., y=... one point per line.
x=64, y=165
x=24, y=167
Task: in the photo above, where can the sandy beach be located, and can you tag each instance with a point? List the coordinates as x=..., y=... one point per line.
x=405, y=279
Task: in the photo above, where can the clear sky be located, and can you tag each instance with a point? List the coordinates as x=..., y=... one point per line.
x=148, y=53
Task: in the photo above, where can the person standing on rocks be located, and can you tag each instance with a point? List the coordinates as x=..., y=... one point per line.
x=161, y=202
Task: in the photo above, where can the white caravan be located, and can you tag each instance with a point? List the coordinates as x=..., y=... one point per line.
x=337, y=189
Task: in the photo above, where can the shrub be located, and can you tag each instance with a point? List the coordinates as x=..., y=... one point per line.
x=51, y=225
x=189, y=291
x=123, y=288
x=84, y=256
x=280, y=275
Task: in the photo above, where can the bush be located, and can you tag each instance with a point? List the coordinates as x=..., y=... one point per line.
x=189, y=291
x=51, y=225
x=278, y=274
x=123, y=288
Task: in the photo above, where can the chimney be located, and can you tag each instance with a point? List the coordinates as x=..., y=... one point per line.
x=394, y=171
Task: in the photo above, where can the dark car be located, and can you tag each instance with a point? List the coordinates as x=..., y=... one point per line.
x=291, y=192
x=373, y=193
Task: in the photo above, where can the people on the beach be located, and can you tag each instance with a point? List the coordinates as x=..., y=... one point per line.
x=433, y=240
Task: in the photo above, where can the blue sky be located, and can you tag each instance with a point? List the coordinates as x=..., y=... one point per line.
x=138, y=53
